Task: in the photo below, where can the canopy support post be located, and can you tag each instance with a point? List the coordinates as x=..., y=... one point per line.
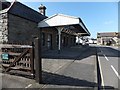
x=59, y=38
x=79, y=39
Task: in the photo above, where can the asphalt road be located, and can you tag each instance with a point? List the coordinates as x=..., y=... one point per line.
x=109, y=67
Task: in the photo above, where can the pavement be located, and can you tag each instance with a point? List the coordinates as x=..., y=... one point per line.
x=73, y=68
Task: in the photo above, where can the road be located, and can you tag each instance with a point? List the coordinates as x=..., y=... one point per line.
x=108, y=63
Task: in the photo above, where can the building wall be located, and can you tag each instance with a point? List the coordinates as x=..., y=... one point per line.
x=53, y=33
x=105, y=40
x=99, y=41
x=3, y=27
x=0, y=5
x=67, y=40
x=21, y=29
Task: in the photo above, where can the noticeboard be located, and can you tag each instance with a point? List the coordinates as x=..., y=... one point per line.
x=5, y=56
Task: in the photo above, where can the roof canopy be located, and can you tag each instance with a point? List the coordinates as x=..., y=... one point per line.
x=75, y=24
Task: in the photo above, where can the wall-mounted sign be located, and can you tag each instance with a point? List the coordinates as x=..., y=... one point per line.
x=5, y=56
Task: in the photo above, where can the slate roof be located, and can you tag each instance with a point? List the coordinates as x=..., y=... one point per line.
x=24, y=11
x=5, y=5
x=109, y=34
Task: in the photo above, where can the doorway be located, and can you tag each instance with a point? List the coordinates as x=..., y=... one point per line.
x=49, y=41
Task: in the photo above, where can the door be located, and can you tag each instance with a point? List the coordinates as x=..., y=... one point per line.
x=49, y=41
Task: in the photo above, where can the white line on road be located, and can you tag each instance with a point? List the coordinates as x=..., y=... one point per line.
x=106, y=57
x=102, y=83
x=28, y=86
x=115, y=71
x=112, y=66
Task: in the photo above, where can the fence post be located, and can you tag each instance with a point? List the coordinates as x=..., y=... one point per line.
x=38, y=63
x=32, y=59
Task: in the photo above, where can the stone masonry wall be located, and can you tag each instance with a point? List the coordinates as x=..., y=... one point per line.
x=21, y=29
x=0, y=5
x=3, y=27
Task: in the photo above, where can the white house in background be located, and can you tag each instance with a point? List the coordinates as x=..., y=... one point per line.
x=108, y=38
x=83, y=40
x=92, y=41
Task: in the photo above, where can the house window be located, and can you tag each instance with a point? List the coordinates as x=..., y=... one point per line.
x=43, y=39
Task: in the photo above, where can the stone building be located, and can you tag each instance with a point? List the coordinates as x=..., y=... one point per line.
x=20, y=23
x=66, y=28
x=108, y=38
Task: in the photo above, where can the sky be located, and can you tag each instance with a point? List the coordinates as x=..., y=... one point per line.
x=97, y=16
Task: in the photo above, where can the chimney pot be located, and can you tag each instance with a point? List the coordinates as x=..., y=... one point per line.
x=42, y=9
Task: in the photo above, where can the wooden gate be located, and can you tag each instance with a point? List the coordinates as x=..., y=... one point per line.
x=18, y=58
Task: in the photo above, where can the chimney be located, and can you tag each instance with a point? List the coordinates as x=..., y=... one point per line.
x=42, y=9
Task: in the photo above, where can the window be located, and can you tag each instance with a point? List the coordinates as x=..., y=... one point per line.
x=43, y=39
x=57, y=39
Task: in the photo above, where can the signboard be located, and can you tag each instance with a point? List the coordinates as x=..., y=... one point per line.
x=5, y=56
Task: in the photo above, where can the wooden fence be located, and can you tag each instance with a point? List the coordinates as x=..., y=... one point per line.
x=18, y=56
x=22, y=57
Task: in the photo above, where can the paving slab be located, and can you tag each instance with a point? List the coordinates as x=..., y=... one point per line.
x=77, y=73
